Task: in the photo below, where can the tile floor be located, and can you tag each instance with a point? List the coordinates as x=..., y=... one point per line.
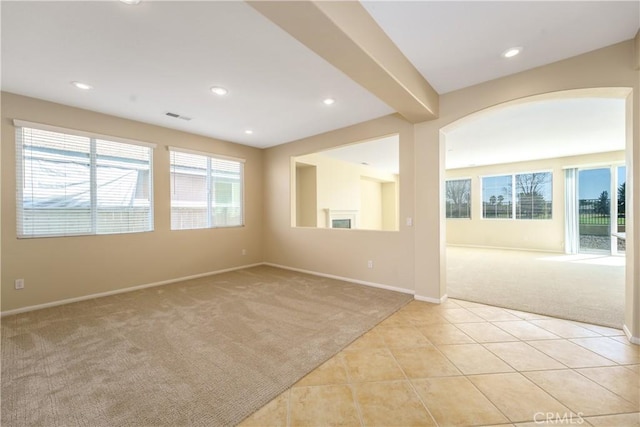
x=462, y=363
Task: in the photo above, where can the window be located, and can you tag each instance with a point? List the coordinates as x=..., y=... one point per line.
x=73, y=183
x=496, y=196
x=533, y=195
x=532, y=198
x=206, y=191
x=458, y=197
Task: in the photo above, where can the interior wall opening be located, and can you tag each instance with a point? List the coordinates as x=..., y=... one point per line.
x=354, y=186
x=518, y=235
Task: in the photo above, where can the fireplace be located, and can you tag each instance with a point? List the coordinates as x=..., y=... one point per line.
x=341, y=218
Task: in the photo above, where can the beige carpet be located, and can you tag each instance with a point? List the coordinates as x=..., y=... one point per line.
x=206, y=352
x=586, y=288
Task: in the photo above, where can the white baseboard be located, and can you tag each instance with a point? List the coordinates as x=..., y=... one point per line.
x=120, y=291
x=431, y=300
x=344, y=279
x=505, y=248
x=627, y=332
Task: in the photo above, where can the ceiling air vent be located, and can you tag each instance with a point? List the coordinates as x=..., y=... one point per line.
x=178, y=116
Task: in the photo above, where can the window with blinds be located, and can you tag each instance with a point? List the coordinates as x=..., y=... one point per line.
x=206, y=190
x=72, y=183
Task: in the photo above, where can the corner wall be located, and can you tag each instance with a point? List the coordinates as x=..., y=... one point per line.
x=610, y=67
x=340, y=252
x=59, y=268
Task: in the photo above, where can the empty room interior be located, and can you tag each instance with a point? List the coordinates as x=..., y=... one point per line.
x=312, y=213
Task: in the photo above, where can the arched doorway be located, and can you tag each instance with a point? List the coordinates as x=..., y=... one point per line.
x=513, y=204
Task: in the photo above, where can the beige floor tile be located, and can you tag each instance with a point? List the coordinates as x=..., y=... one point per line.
x=522, y=357
x=460, y=315
x=391, y=404
x=454, y=401
x=580, y=394
x=369, y=340
x=416, y=305
x=524, y=330
x=527, y=316
x=372, y=365
x=611, y=349
x=517, y=397
x=474, y=359
x=468, y=304
x=634, y=368
x=623, y=339
x=424, y=362
x=493, y=314
x=551, y=419
x=602, y=330
x=323, y=406
x=619, y=379
x=448, y=304
x=485, y=332
x=621, y=420
x=272, y=414
x=564, y=328
x=332, y=371
x=422, y=318
x=571, y=354
x=402, y=336
x=396, y=319
x=445, y=333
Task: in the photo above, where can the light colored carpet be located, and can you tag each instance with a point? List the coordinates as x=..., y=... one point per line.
x=205, y=352
x=586, y=288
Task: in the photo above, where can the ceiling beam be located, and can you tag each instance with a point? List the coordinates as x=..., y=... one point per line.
x=344, y=34
x=636, y=51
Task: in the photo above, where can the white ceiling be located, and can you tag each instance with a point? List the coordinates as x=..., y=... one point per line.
x=538, y=130
x=158, y=57
x=382, y=154
x=455, y=44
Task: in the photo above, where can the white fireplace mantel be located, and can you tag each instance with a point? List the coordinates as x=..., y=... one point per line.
x=332, y=214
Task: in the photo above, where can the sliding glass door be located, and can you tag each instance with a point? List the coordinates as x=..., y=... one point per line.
x=595, y=221
x=594, y=210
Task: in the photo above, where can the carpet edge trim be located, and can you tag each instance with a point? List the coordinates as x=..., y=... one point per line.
x=121, y=290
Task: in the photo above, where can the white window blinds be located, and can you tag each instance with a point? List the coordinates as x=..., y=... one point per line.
x=206, y=191
x=77, y=184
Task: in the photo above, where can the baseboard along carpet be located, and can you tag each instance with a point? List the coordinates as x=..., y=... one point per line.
x=205, y=352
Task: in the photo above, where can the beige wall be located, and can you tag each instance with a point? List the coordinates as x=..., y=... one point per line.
x=68, y=267
x=340, y=252
x=544, y=235
x=344, y=186
x=608, y=67
x=412, y=258
x=306, y=195
x=390, y=205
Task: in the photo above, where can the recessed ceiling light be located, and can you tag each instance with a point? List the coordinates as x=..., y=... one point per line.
x=248, y=132
x=82, y=86
x=130, y=1
x=329, y=101
x=511, y=52
x=219, y=90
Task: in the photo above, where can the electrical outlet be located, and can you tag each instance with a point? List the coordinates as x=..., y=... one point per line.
x=369, y=264
x=19, y=283
x=409, y=221
x=244, y=252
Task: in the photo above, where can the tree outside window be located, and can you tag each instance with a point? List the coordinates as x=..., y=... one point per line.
x=458, y=197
